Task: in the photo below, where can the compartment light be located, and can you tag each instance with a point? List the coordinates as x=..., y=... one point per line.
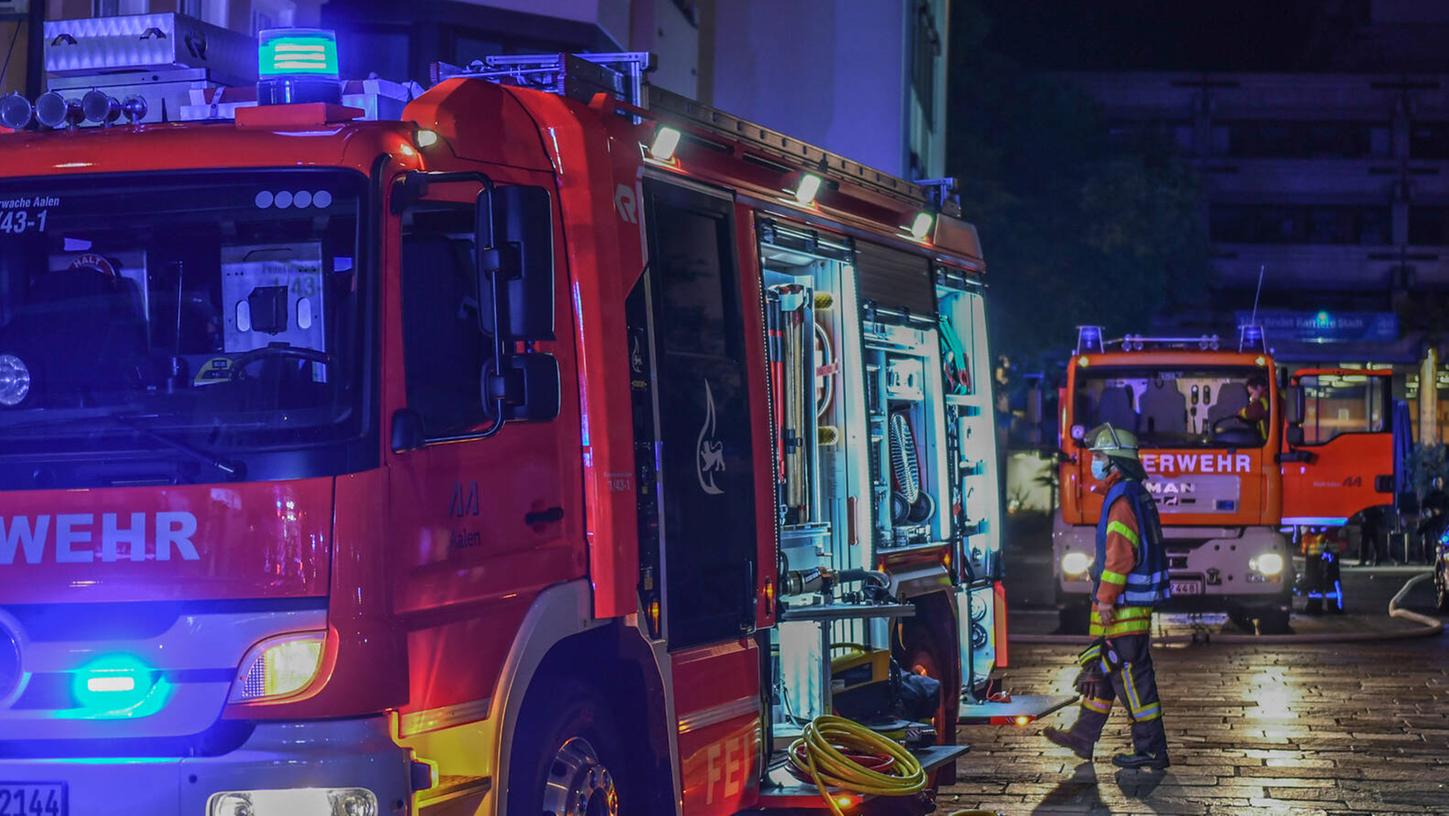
x=808, y=189
x=921, y=227
x=666, y=141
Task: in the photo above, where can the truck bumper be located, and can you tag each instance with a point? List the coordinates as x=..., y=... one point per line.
x=1213, y=569
x=336, y=754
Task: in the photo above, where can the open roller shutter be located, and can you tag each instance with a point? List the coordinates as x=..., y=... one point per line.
x=895, y=279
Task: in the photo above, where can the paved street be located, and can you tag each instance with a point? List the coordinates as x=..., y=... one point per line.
x=1292, y=729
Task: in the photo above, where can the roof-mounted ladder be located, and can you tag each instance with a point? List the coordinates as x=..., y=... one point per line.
x=622, y=75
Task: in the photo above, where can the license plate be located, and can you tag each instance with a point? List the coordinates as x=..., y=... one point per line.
x=32, y=799
x=1187, y=587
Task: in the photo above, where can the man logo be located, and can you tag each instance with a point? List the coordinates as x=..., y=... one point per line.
x=9, y=667
x=709, y=454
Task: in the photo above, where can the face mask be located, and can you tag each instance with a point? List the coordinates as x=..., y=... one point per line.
x=1099, y=469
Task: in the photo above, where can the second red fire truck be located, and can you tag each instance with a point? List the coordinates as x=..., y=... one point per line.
x=559, y=446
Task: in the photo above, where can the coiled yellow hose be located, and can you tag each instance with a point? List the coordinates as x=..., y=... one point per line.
x=825, y=742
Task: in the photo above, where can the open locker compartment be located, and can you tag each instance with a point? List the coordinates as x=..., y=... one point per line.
x=831, y=650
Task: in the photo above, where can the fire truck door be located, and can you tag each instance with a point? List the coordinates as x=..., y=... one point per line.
x=704, y=489
x=697, y=477
x=1339, y=452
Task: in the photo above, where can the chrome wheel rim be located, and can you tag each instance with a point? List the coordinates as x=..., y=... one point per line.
x=578, y=783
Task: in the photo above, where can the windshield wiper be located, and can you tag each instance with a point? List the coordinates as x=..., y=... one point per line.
x=230, y=467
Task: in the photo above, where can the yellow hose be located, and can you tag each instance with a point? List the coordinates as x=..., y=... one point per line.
x=823, y=740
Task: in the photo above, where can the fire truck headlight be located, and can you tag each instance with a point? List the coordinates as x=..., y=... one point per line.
x=279, y=667
x=56, y=112
x=666, y=141
x=427, y=138
x=294, y=802
x=1076, y=563
x=1269, y=564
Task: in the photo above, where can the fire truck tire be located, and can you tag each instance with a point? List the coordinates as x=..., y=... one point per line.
x=568, y=757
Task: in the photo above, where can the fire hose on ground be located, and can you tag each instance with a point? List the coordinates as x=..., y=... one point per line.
x=840, y=754
x=1428, y=627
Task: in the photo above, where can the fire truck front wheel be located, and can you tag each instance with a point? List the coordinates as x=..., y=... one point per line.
x=568, y=758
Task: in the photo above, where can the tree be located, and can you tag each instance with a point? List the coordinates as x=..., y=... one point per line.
x=1076, y=230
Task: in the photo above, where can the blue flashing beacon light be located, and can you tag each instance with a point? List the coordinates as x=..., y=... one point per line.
x=1089, y=338
x=297, y=65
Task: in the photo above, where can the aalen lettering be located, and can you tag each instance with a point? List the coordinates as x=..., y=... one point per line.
x=1197, y=462
x=83, y=538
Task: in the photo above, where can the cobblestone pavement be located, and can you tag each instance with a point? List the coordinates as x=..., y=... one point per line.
x=1361, y=729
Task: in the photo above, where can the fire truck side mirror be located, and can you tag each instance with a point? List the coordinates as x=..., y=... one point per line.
x=1295, y=434
x=522, y=231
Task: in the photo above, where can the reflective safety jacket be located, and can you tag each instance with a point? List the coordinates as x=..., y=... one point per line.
x=1130, y=568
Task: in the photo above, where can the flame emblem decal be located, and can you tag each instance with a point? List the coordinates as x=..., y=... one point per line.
x=709, y=452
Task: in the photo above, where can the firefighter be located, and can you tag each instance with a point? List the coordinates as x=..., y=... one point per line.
x=1320, y=570
x=1255, y=413
x=1129, y=578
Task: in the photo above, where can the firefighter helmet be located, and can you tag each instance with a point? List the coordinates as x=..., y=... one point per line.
x=1112, y=442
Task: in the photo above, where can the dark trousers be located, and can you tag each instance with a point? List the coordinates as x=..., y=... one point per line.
x=1133, y=683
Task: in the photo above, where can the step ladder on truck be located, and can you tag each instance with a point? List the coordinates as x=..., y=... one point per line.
x=541, y=442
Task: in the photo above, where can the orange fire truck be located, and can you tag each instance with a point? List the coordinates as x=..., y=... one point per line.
x=558, y=445
x=1225, y=492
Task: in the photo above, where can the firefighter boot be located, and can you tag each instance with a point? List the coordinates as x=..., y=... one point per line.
x=1149, y=743
x=1076, y=743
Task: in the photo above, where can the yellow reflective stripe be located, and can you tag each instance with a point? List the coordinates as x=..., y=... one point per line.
x=1133, y=704
x=1149, y=713
x=1099, y=706
x=1123, y=530
x=1120, y=627
x=1115, y=578
x=1133, y=612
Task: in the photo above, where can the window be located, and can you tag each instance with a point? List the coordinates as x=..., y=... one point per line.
x=1299, y=224
x=925, y=50
x=443, y=342
x=1429, y=225
x=1301, y=140
x=1166, y=408
x=1339, y=404
x=1429, y=140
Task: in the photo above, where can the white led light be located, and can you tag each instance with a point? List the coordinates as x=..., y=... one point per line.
x=115, y=683
x=1269, y=564
x=666, y=141
x=1076, y=563
x=808, y=189
x=921, y=227
x=427, y=138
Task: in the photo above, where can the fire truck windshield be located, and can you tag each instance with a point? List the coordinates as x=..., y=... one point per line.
x=166, y=316
x=1170, y=408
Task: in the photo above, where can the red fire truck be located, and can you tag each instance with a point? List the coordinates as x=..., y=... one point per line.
x=1227, y=491
x=559, y=445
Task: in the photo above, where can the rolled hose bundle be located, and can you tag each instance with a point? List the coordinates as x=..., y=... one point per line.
x=824, y=754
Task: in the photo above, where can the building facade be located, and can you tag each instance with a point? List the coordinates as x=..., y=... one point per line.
x=863, y=78
x=1327, y=202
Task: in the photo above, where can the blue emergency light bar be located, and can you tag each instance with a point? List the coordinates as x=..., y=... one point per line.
x=1250, y=338
x=1089, y=338
x=297, y=65
x=294, y=52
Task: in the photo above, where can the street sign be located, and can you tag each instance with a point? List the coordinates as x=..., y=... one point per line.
x=1326, y=326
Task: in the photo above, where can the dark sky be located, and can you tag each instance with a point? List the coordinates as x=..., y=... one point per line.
x=1244, y=35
